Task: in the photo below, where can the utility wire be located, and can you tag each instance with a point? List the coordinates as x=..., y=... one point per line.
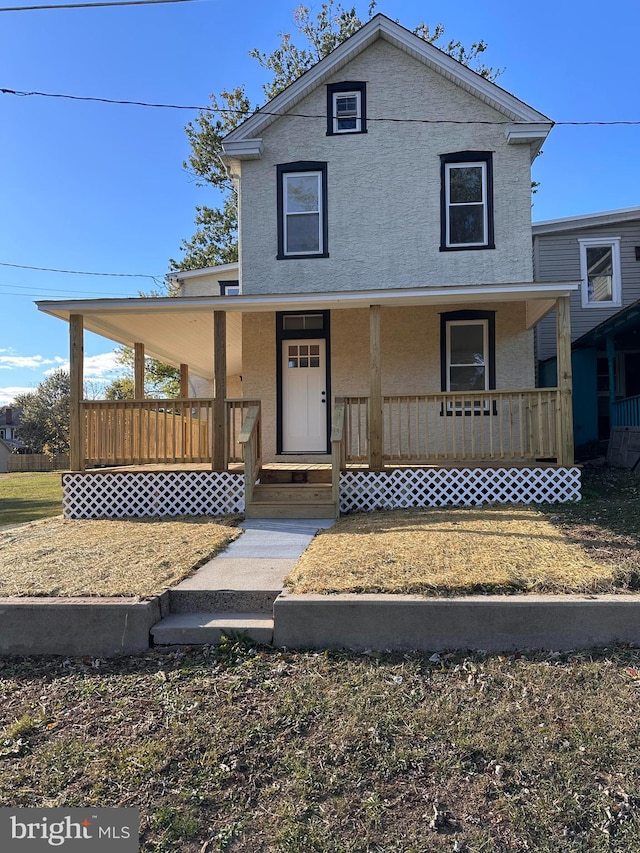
x=83, y=272
x=56, y=290
x=232, y=111
x=90, y=5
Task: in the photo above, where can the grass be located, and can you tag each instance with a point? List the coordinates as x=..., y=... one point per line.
x=590, y=546
x=253, y=750
x=28, y=497
x=136, y=557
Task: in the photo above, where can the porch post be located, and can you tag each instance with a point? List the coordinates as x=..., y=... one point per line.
x=219, y=459
x=184, y=381
x=375, y=393
x=611, y=364
x=563, y=335
x=76, y=393
x=138, y=371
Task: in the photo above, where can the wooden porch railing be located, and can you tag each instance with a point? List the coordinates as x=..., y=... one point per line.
x=480, y=426
x=626, y=412
x=139, y=432
x=338, y=450
x=237, y=410
x=251, y=440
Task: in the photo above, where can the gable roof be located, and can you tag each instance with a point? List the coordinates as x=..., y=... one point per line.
x=587, y=220
x=529, y=125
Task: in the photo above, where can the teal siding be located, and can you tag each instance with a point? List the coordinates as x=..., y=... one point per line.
x=585, y=392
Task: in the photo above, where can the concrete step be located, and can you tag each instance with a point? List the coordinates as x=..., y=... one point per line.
x=266, y=509
x=222, y=600
x=207, y=628
x=293, y=492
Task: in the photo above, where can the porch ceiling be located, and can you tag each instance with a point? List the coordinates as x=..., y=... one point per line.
x=180, y=329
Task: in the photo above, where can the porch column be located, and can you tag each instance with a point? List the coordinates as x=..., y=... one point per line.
x=138, y=371
x=375, y=392
x=184, y=381
x=219, y=458
x=611, y=364
x=565, y=419
x=76, y=393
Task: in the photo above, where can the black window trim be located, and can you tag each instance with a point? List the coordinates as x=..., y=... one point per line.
x=466, y=157
x=490, y=317
x=347, y=86
x=301, y=166
x=225, y=285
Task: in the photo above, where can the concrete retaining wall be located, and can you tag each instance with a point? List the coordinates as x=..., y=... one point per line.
x=492, y=623
x=100, y=627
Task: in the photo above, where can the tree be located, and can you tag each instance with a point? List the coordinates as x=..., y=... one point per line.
x=45, y=415
x=161, y=380
x=215, y=239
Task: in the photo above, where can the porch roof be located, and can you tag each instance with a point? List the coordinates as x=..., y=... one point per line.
x=180, y=329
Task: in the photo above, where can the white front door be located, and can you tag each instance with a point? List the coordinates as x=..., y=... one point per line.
x=304, y=396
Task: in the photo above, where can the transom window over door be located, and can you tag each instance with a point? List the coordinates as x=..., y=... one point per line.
x=600, y=272
x=302, y=218
x=467, y=201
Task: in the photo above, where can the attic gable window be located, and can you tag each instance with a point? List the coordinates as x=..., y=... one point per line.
x=302, y=210
x=600, y=272
x=466, y=201
x=346, y=108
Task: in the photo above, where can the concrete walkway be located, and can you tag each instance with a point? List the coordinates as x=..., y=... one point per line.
x=236, y=590
x=260, y=558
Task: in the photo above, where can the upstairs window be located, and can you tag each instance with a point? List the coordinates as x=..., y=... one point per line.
x=229, y=288
x=302, y=210
x=466, y=201
x=600, y=272
x=346, y=108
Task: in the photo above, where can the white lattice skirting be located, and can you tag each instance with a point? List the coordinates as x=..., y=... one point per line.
x=364, y=491
x=129, y=494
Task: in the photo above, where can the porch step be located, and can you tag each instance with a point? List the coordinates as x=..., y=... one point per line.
x=222, y=600
x=291, y=500
x=208, y=628
x=295, y=475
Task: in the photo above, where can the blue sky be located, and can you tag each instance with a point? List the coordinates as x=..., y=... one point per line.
x=101, y=188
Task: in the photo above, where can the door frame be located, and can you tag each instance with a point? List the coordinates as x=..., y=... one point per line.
x=301, y=334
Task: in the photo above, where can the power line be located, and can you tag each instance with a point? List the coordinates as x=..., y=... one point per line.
x=90, y=5
x=233, y=111
x=56, y=290
x=83, y=272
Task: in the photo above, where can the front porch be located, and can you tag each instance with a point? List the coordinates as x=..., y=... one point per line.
x=500, y=441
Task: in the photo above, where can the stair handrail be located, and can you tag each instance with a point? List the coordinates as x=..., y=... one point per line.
x=251, y=441
x=338, y=450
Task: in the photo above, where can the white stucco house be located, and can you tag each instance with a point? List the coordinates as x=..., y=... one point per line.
x=377, y=331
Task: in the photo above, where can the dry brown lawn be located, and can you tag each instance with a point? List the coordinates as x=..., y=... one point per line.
x=448, y=551
x=106, y=557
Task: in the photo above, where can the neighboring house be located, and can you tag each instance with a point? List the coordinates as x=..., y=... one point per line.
x=382, y=332
x=10, y=421
x=603, y=251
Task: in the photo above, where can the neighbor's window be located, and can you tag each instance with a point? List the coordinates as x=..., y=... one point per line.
x=229, y=288
x=468, y=355
x=600, y=272
x=467, y=201
x=302, y=219
x=346, y=108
